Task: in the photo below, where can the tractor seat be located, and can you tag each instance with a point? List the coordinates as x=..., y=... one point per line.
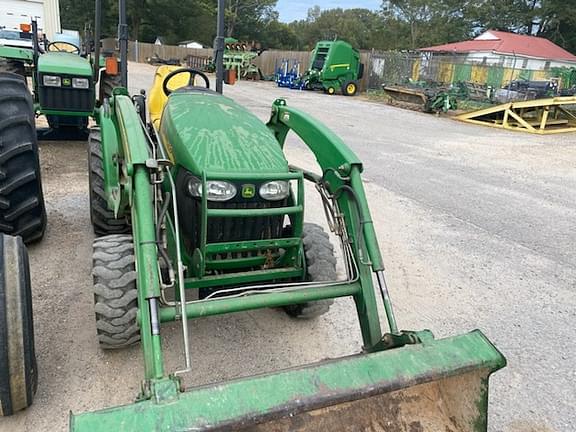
x=157, y=99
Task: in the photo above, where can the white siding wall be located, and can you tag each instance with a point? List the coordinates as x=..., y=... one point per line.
x=51, y=18
x=508, y=61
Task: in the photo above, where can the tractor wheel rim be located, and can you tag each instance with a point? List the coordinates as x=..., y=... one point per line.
x=351, y=88
x=331, y=90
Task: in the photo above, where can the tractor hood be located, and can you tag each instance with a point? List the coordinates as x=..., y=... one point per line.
x=207, y=132
x=64, y=63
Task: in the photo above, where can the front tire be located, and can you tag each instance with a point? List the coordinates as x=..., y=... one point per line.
x=18, y=369
x=320, y=267
x=107, y=84
x=103, y=220
x=22, y=211
x=115, y=293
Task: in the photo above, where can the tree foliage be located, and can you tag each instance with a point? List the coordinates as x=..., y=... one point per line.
x=398, y=24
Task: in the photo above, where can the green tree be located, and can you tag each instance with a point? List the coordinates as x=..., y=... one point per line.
x=430, y=22
x=245, y=19
x=363, y=28
x=556, y=20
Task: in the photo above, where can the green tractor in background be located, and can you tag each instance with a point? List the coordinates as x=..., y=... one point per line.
x=63, y=78
x=63, y=91
x=334, y=66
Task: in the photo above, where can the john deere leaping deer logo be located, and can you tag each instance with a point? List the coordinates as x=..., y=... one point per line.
x=248, y=191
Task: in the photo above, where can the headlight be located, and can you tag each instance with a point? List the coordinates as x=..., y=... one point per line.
x=81, y=83
x=275, y=190
x=52, y=81
x=216, y=190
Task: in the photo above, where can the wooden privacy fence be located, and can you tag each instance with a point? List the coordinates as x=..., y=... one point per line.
x=140, y=52
x=268, y=61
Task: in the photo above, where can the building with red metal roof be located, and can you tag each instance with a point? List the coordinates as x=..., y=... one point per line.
x=510, y=50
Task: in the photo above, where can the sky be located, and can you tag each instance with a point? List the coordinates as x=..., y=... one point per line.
x=291, y=10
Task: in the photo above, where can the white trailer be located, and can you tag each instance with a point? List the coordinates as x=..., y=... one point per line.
x=16, y=12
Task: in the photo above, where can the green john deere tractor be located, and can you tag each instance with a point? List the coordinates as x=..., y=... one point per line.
x=63, y=78
x=210, y=219
x=213, y=223
x=63, y=91
x=334, y=66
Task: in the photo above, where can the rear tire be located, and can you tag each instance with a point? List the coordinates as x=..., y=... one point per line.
x=320, y=267
x=115, y=293
x=22, y=211
x=18, y=370
x=12, y=66
x=103, y=220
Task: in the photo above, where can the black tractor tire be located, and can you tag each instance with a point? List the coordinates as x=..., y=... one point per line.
x=320, y=267
x=115, y=293
x=18, y=369
x=103, y=220
x=107, y=84
x=350, y=88
x=12, y=66
x=22, y=211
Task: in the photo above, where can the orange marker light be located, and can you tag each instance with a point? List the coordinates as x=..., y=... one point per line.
x=25, y=28
x=111, y=66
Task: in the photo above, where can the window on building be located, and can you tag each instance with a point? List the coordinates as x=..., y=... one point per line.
x=524, y=63
x=547, y=65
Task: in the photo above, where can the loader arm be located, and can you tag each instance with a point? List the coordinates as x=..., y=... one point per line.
x=341, y=176
x=336, y=160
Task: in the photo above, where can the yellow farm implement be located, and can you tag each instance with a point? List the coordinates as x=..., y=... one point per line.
x=540, y=116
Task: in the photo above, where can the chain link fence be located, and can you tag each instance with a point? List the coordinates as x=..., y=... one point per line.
x=494, y=78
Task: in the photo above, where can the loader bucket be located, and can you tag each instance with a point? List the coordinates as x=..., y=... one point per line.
x=437, y=385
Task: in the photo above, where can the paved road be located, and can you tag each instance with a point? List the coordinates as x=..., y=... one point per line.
x=477, y=227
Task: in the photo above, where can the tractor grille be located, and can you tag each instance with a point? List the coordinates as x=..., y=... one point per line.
x=66, y=98
x=231, y=229
x=226, y=229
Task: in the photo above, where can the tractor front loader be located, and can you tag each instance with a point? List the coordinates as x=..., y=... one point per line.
x=214, y=220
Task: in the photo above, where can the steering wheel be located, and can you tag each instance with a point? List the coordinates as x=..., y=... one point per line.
x=192, y=72
x=54, y=47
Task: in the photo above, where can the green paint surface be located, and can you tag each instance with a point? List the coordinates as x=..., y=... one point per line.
x=25, y=54
x=64, y=63
x=209, y=132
